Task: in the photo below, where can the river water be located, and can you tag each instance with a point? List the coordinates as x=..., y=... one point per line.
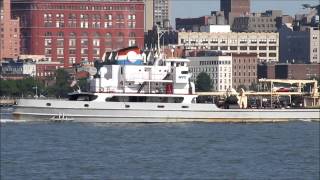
x=159, y=151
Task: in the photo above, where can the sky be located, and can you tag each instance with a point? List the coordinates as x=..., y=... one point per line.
x=197, y=8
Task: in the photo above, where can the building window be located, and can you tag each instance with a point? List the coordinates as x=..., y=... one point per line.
x=131, y=24
x=119, y=17
x=272, y=41
x=263, y=48
x=272, y=47
x=48, y=34
x=60, y=42
x=47, y=51
x=60, y=51
x=84, y=51
x=95, y=24
x=262, y=55
x=96, y=42
x=84, y=24
x=96, y=17
x=243, y=41
x=132, y=39
x=84, y=42
x=224, y=48
x=223, y=41
x=243, y=48
x=47, y=42
x=263, y=41
x=108, y=24
x=253, y=48
x=72, y=42
x=108, y=40
x=72, y=51
x=131, y=17
x=84, y=39
x=84, y=16
x=108, y=17
x=233, y=48
x=120, y=37
x=272, y=55
x=72, y=60
x=96, y=51
x=253, y=41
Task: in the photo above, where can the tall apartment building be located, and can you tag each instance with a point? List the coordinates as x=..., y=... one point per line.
x=299, y=46
x=244, y=69
x=265, y=45
x=234, y=8
x=218, y=67
x=9, y=32
x=258, y=22
x=75, y=31
x=161, y=10
x=156, y=12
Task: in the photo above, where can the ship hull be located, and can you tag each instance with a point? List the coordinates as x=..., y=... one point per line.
x=118, y=112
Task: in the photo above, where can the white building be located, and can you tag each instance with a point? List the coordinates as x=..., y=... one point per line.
x=215, y=28
x=29, y=68
x=265, y=45
x=219, y=68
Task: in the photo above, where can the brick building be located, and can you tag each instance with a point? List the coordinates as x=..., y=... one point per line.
x=266, y=70
x=297, y=71
x=244, y=69
x=9, y=32
x=71, y=32
x=288, y=71
x=234, y=8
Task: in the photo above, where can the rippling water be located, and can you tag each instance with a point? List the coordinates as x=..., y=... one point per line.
x=160, y=151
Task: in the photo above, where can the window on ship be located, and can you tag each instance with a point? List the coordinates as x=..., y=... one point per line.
x=82, y=97
x=113, y=99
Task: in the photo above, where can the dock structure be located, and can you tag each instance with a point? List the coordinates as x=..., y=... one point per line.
x=311, y=99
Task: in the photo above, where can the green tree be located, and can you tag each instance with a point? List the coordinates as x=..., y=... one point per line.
x=20, y=88
x=83, y=84
x=203, y=82
x=61, y=88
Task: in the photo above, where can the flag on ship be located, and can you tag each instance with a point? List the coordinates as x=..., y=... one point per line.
x=130, y=55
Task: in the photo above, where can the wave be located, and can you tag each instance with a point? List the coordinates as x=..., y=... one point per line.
x=11, y=121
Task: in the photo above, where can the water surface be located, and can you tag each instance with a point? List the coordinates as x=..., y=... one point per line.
x=160, y=151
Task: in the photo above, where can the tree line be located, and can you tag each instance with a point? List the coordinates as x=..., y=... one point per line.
x=58, y=86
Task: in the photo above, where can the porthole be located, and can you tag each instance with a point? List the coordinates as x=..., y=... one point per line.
x=185, y=106
x=127, y=106
x=86, y=105
x=48, y=104
x=160, y=106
